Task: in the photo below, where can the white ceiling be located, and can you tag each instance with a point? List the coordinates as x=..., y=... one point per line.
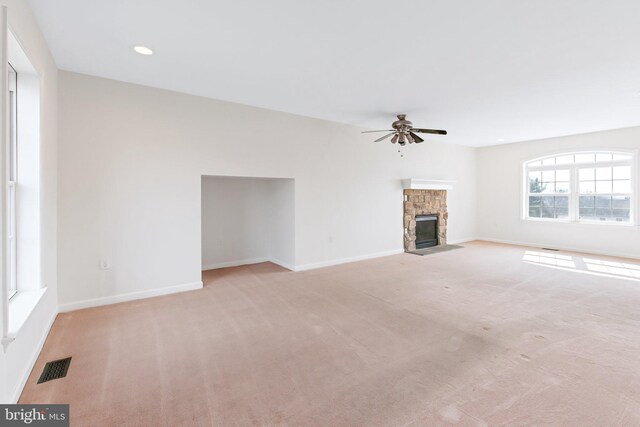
x=483, y=70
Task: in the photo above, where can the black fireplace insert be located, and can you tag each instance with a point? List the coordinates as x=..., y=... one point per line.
x=426, y=231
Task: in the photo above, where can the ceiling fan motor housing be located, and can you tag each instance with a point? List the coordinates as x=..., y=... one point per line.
x=402, y=124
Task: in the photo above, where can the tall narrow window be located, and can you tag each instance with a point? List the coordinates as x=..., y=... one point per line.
x=589, y=187
x=23, y=282
x=12, y=278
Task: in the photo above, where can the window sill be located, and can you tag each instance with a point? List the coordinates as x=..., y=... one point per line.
x=580, y=223
x=21, y=305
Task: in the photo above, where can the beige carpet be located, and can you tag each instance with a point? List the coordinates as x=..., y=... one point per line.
x=485, y=335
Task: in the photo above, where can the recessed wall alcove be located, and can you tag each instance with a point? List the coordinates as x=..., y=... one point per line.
x=247, y=220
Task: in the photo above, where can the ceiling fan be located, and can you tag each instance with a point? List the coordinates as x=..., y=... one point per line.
x=403, y=132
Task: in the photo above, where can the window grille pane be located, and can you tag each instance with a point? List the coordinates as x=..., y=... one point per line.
x=603, y=157
x=621, y=157
x=535, y=201
x=585, y=158
x=562, y=187
x=603, y=187
x=587, y=174
x=547, y=201
x=548, y=213
x=535, y=184
x=534, y=212
x=603, y=174
x=562, y=202
x=622, y=172
x=621, y=202
x=548, y=187
x=562, y=213
x=550, y=161
x=562, y=175
x=548, y=176
x=564, y=160
x=587, y=187
x=622, y=186
x=587, y=202
x=603, y=202
x=13, y=123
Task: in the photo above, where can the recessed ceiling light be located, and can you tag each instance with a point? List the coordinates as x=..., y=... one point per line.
x=143, y=50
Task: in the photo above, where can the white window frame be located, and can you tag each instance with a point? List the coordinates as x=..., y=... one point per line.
x=574, y=192
x=12, y=188
x=29, y=289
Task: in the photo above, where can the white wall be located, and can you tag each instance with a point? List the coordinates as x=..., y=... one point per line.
x=17, y=359
x=282, y=241
x=246, y=220
x=131, y=161
x=500, y=190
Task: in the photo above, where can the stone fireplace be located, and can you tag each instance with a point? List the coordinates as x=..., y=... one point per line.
x=427, y=205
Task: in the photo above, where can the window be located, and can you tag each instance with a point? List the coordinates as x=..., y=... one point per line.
x=22, y=176
x=24, y=285
x=12, y=279
x=590, y=187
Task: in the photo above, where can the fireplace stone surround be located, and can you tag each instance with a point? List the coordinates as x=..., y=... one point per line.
x=424, y=202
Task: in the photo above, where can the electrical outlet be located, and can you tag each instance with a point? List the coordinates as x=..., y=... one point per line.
x=105, y=264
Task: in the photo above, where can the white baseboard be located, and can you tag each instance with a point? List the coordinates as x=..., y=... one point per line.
x=321, y=264
x=248, y=262
x=314, y=265
x=34, y=357
x=217, y=265
x=95, y=302
x=459, y=241
x=561, y=248
x=283, y=264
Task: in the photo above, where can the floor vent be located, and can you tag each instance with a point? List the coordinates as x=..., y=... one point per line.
x=550, y=249
x=54, y=370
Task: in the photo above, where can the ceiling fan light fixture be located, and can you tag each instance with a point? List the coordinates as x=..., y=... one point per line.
x=416, y=138
x=394, y=139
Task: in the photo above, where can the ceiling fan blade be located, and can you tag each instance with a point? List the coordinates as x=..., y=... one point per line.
x=434, y=131
x=384, y=137
x=372, y=131
x=416, y=138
